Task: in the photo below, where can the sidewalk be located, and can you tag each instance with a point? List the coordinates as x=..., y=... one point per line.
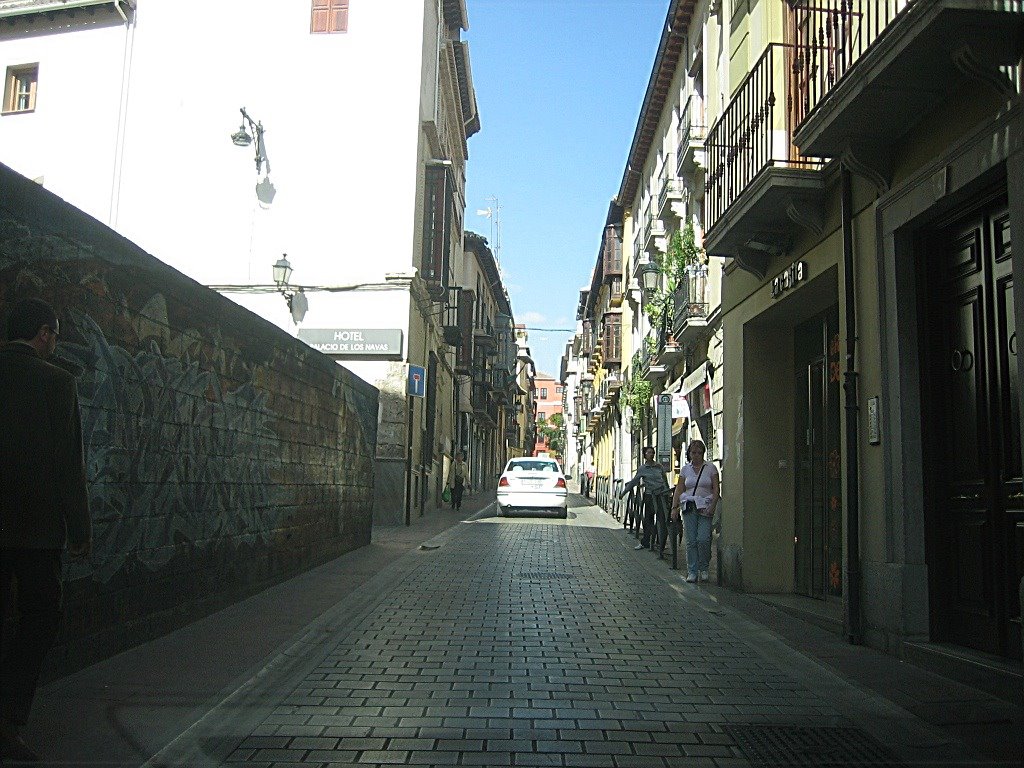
x=125, y=709
x=990, y=725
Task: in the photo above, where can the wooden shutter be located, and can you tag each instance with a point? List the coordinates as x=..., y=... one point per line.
x=329, y=16
x=434, y=220
x=464, y=357
x=612, y=338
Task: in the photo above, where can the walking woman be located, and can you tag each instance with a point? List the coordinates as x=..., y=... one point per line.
x=696, y=497
x=458, y=479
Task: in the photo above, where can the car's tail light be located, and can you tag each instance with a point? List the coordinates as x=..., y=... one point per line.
x=503, y=483
x=560, y=483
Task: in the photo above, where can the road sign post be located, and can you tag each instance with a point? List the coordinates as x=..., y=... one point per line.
x=416, y=386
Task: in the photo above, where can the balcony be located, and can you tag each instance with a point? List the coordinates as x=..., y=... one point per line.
x=692, y=131
x=866, y=72
x=484, y=411
x=758, y=188
x=653, y=369
x=450, y=324
x=615, y=292
x=690, y=316
x=485, y=338
x=655, y=234
x=671, y=191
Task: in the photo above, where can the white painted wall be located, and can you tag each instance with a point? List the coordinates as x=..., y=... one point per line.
x=341, y=113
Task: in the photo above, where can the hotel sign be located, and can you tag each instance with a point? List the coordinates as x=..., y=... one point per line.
x=354, y=342
x=796, y=273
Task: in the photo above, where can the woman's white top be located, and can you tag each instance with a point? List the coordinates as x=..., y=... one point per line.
x=698, y=494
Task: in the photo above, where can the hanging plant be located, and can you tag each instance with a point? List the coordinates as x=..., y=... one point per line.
x=638, y=396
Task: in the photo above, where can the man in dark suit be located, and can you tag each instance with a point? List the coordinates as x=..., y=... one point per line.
x=43, y=505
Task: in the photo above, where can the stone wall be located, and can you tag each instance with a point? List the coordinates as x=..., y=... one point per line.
x=222, y=454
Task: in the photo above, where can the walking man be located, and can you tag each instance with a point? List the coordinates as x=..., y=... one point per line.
x=43, y=505
x=655, y=507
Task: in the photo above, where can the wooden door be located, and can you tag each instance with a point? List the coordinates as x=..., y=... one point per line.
x=972, y=434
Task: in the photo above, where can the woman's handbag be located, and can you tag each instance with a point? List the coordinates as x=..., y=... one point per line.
x=446, y=495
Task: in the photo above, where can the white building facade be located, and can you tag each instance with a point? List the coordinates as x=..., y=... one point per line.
x=358, y=114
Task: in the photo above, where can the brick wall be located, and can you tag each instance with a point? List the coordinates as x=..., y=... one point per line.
x=223, y=455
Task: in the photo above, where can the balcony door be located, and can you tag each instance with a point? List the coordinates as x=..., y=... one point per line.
x=975, y=514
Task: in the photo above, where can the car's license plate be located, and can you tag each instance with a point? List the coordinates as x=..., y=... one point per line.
x=532, y=483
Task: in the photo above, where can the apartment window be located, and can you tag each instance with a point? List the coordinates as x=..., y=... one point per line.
x=20, y=88
x=329, y=16
x=543, y=393
x=558, y=390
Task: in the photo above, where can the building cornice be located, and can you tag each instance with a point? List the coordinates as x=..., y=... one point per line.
x=673, y=38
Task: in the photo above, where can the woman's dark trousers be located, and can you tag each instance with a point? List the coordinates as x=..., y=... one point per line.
x=457, y=490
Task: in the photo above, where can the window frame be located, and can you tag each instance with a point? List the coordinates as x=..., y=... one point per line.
x=16, y=74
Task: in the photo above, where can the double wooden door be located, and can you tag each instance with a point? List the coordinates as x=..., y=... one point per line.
x=971, y=431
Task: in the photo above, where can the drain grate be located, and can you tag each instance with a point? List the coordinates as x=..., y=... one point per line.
x=783, y=745
x=543, y=576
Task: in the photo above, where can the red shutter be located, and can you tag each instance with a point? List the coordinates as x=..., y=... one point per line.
x=320, y=16
x=339, y=16
x=329, y=16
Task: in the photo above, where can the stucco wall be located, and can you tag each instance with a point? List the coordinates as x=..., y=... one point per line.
x=222, y=454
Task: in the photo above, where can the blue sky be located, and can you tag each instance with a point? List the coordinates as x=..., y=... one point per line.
x=559, y=85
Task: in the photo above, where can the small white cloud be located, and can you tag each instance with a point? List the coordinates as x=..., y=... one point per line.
x=532, y=318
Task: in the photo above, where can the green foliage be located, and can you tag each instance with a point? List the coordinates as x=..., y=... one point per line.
x=553, y=431
x=682, y=252
x=637, y=395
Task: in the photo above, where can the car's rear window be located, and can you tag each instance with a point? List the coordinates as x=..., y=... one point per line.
x=532, y=466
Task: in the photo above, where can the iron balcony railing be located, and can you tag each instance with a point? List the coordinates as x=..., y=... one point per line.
x=689, y=299
x=751, y=135
x=831, y=35
x=670, y=186
x=691, y=129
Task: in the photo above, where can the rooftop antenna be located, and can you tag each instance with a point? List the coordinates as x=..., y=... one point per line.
x=493, y=213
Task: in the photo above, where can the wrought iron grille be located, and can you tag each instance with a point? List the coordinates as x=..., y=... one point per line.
x=751, y=135
x=830, y=36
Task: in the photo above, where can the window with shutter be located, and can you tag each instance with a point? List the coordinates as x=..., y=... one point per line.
x=329, y=16
x=436, y=224
x=464, y=354
x=612, y=351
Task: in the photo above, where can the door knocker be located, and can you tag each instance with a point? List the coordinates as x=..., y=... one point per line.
x=962, y=360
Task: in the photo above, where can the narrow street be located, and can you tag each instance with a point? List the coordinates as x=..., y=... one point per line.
x=532, y=641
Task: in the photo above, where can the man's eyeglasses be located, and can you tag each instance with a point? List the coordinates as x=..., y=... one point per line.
x=55, y=332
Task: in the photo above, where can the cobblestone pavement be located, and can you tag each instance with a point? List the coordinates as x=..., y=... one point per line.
x=538, y=642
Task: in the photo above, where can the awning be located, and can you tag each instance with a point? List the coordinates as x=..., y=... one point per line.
x=696, y=379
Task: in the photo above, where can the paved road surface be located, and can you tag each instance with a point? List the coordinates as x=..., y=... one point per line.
x=532, y=641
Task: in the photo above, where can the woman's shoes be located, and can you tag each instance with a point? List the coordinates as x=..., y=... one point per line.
x=690, y=578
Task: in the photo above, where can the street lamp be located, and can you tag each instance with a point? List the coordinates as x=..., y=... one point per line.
x=242, y=138
x=282, y=272
x=650, y=277
x=296, y=299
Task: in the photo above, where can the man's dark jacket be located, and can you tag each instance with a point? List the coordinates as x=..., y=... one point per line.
x=43, y=497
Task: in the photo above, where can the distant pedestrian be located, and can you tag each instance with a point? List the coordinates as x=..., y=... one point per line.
x=43, y=505
x=696, y=496
x=655, y=500
x=458, y=479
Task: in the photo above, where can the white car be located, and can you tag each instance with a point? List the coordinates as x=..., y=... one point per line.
x=532, y=483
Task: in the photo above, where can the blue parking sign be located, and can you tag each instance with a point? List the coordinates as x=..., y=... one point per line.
x=417, y=381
